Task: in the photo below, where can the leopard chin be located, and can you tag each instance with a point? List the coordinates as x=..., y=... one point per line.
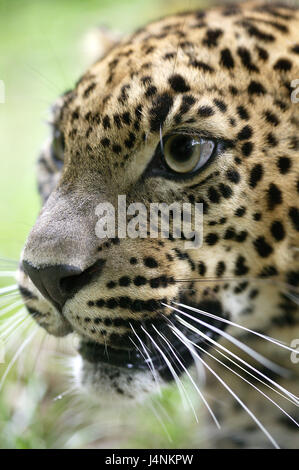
x=153, y=357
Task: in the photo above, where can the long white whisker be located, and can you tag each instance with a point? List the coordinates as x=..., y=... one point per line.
x=146, y=360
x=150, y=362
x=247, y=381
x=199, y=367
x=5, y=299
x=16, y=355
x=19, y=326
x=252, y=375
x=183, y=394
x=8, y=274
x=144, y=347
x=10, y=316
x=214, y=343
x=258, y=357
x=139, y=350
x=190, y=378
x=163, y=410
x=185, y=340
x=292, y=397
x=292, y=297
x=160, y=420
x=243, y=378
x=12, y=323
x=283, y=285
x=268, y=338
x=63, y=394
x=8, y=260
x=39, y=348
x=11, y=307
x=5, y=290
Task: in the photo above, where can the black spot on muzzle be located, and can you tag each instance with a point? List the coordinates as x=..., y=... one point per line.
x=132, y=358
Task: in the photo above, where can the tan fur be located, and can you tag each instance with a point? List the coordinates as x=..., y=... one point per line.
x=94, y=172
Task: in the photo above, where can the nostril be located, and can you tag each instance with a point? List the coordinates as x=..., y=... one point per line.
x=73, y=283
x=60, y=282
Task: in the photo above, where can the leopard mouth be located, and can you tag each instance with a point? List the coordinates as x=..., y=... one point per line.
x=154, y=353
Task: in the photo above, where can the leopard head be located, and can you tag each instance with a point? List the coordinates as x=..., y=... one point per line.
x=193, y=108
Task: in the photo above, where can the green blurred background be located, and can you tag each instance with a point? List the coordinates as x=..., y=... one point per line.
x=43, y=52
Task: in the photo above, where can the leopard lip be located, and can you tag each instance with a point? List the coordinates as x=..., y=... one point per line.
x=99, y=353
x=135, y=360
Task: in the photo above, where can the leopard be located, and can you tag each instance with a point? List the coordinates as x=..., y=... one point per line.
x=198, y=107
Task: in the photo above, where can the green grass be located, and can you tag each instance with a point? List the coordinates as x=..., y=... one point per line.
x=42, y=56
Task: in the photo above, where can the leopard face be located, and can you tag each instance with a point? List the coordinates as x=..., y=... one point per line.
x=220, y=77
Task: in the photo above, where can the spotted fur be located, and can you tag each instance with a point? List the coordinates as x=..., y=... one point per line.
x=225, y=72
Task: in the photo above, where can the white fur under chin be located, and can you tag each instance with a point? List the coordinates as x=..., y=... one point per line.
x=109, y=384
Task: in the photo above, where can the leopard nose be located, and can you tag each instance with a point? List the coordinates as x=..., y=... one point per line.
x=60, y=282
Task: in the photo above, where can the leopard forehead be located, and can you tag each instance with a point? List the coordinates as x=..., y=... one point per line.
x=229, y=68
x=226, y=71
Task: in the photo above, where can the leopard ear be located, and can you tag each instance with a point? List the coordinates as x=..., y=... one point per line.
x=98, y=41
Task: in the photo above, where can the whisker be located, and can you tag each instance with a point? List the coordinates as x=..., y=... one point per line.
x=238, y=279
x=39, y=348
x=12, y=306
x=185, y=340
x=247, y=381
x=6, y=322
x=183, y=394
x=139, y=350
x=44, y=78
x=161, y=141
x=268, y=338
x=9, y=261
x=19, y=317
x=146, y=360
x=7, y=303
x=8, y=297
x=292, y=297
x=16, y=355
x=5, y=290
x=254, y=354
x=252, y=375
x=160, y=420
x=7, y=274
x=163, y=410
x=190, y=378
x=292, y=398
x=63, y=394
x=200, y=370
x=21, y=326
x=150, y=362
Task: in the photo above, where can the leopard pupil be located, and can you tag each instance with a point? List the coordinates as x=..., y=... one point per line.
x=181, y=148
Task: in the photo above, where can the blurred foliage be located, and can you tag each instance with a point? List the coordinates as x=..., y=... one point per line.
x=42, y=55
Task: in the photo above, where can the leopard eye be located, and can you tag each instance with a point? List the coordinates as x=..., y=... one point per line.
x=185, y=154
x=57, y=148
